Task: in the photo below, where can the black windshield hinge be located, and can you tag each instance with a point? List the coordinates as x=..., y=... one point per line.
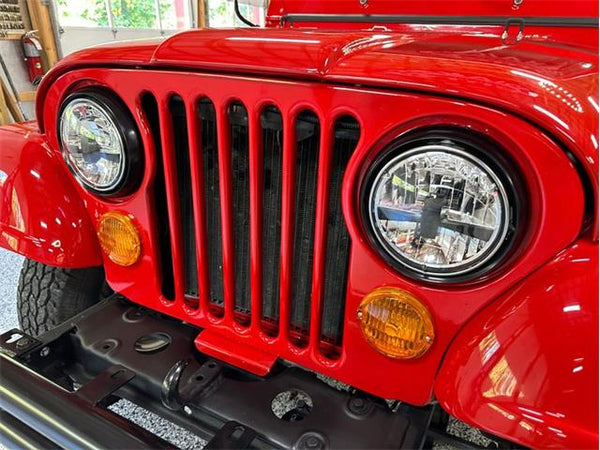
x=513, y=31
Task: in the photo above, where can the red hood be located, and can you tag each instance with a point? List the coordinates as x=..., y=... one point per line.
x=529, y=8
x=556, y=86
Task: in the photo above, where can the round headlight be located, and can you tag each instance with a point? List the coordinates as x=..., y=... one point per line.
x=98, y=141
x=440, y=211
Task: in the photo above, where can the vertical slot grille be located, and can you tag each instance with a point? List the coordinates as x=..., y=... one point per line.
x=238, y=122
x=272, y=134
x=150, y=107
x=250, y=156
x=212, y=199
x=307, y=135
x=184, y=182
x=346, y=135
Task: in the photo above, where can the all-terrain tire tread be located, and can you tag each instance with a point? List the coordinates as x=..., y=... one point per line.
x=47, y=296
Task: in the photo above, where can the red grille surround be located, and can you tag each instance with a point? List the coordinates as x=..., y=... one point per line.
x=556, y=210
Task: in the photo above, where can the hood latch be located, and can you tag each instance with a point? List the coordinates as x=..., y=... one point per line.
x=513, y=31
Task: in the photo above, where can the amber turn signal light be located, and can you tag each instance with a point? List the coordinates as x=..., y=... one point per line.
x=119, y=238
x=396, y=323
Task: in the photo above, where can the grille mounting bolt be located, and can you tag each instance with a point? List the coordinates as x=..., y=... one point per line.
x=428, y=338
x=359, y=314
x=311, y=441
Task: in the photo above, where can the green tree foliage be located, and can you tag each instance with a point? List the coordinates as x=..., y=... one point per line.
x=216, y=11
x=126, y=13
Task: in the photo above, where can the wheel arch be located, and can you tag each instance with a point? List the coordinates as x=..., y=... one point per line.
x=41, y=215
x=523, y=367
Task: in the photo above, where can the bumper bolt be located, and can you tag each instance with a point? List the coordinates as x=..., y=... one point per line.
x=187, y=410
x=311, y=441
x=359, y=406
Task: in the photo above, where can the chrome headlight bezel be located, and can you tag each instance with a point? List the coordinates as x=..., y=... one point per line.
x=132, y=158
x=477, y=151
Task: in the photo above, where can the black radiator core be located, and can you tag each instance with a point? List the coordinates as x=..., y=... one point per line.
x=272, y=132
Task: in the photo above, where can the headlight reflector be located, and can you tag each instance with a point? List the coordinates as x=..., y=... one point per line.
x=438, y=210
x=93, y=134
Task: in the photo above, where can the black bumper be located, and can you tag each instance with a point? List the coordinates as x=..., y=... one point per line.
x=39, y=414
x=55, y=391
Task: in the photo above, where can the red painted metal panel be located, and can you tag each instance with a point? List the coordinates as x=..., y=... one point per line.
x=256, y=191
x=241, y=354
x=526, y=367
x=224, y=151
x=287, y=223
x=549, y=83
x=434, y=59
x=114, y=54
x=41, y=214
x=556, y=211
x=551, y=77
x=321, y=221
x=528, y=8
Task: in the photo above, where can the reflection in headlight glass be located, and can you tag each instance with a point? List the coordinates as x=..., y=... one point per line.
x=92, y=144
x=438, y=210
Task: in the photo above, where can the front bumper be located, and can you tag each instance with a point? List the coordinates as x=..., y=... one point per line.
x=62, y=383
x=39, y=414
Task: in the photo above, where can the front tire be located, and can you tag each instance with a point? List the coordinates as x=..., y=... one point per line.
x=47, y=296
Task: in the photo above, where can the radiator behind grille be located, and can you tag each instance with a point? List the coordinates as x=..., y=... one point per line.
x=225, y=162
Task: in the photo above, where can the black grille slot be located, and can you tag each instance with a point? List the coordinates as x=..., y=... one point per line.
x=347, y=133
x=186, y=208
x=272, y=135
x=212, y=199
x=150, y=107
x=238, y=121
x=308, y=135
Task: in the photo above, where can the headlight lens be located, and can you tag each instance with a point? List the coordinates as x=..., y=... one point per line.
x=92, y=144
x=439, y=211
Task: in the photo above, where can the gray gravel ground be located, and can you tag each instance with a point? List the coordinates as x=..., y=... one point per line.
x=10, y=266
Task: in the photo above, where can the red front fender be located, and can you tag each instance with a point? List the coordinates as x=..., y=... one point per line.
x=41, y=215
x=526, y=368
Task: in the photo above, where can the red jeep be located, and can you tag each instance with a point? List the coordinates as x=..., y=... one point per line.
x=337, y=231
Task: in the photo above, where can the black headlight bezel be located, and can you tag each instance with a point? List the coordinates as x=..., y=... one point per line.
x=118, y=112
x=481, y=148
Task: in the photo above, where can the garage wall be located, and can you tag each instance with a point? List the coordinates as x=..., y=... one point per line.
x=13, y=58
